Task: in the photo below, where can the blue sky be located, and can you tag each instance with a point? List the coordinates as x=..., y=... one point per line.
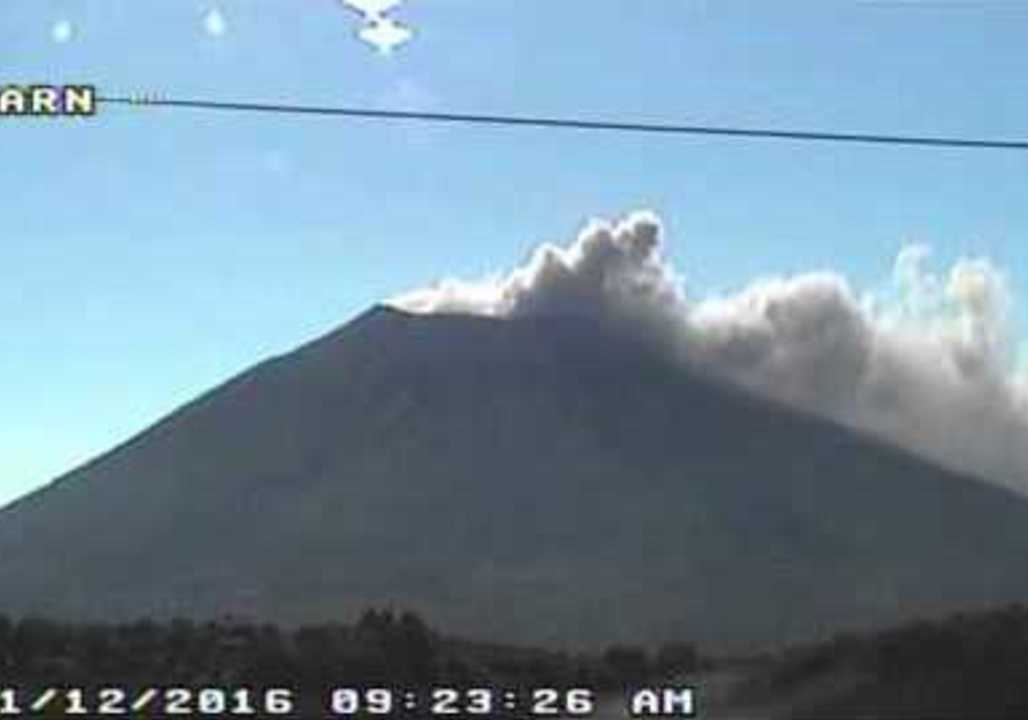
x=148, y=254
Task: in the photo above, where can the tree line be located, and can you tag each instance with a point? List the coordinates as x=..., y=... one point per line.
x=383, y=647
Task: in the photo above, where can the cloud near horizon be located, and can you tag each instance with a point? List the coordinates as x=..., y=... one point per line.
x=927, y=364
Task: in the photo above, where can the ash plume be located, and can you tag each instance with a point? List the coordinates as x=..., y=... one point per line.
x=927, y=364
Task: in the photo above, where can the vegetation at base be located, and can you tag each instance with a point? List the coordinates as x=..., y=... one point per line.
x=966, y=665
x=383, y=648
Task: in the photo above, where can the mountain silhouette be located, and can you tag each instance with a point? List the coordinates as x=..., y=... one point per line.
x=538, y=480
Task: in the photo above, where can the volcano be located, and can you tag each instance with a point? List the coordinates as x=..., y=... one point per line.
x=536, y=479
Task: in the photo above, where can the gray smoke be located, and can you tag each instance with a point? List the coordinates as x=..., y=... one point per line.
x=926, y=364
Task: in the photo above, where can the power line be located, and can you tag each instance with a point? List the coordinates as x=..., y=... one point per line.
x=571, y=123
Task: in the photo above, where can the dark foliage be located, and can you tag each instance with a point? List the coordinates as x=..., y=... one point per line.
x=628, y=662
x=676, y=659
x=966, y=665
x=382, y=648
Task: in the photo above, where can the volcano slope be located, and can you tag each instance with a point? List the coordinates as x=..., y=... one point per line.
x=536, y=480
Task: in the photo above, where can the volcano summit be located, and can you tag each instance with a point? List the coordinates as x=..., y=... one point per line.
x=538, y=479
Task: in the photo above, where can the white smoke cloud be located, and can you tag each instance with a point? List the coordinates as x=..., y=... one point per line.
x=927, y=363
